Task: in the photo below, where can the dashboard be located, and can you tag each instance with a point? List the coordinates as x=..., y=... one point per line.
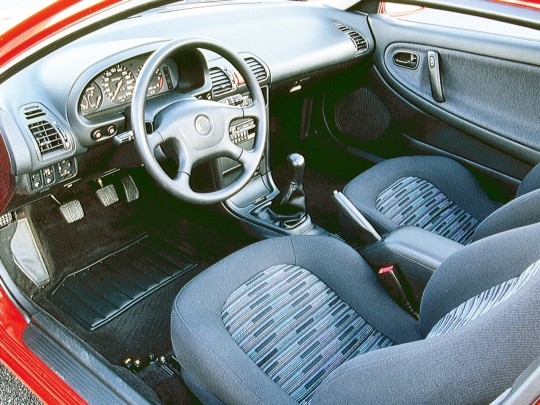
x=60, y=115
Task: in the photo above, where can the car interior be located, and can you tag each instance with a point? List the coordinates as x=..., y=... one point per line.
x=279, y=202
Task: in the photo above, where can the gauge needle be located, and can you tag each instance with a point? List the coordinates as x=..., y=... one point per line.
x=118, y=85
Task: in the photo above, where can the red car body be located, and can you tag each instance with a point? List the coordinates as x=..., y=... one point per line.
x=16, y=44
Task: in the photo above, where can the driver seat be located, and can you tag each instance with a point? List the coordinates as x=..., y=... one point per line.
x=304, y=320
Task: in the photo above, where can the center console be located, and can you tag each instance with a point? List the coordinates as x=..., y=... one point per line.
x=262, y=209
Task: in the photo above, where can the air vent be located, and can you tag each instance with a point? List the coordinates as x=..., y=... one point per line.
x=342, y=27
x=257, y=68
x=47, y=137
x=221, y=82
x=358, y=40
x=33, y=111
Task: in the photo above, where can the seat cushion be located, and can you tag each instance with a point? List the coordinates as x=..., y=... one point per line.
x=296, y=329
x=416, y=202
x=212, y=357
x=427, y=191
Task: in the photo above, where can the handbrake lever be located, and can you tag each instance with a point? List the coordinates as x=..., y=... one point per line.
x=354, y=214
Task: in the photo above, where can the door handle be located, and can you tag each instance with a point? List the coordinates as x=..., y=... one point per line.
x=406, y=59
x=435, y=76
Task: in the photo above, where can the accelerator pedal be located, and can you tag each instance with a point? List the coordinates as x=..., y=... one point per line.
x=130, y=188
x=107, y=195
x=72, y=211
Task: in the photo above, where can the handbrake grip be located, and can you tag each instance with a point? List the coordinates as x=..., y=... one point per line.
x=354, y=214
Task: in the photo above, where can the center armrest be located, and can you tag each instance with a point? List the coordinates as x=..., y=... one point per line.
x=417, y=252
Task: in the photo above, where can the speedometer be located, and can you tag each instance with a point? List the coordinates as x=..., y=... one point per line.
x=118, y=83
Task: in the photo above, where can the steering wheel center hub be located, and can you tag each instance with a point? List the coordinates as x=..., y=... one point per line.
x=204, y=125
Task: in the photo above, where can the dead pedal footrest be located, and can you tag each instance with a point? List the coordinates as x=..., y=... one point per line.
x=72, y=211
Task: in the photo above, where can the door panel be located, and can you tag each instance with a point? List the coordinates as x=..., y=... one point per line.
x=490, y=82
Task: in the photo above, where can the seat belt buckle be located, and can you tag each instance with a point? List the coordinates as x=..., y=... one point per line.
x=398, y=288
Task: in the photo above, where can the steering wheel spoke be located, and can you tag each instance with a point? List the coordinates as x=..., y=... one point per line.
x=253, y=111
x=154, y=140
x=231, y=113
x=228, y=148
x=182, y=180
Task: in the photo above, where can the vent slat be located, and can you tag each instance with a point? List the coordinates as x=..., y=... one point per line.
x=358, y=40
x=257, y=68
x=47, y=137
x=221, y=83
x=33, y=112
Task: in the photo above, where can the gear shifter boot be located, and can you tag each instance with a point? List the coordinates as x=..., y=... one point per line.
x=290, y=205
x=291, y=202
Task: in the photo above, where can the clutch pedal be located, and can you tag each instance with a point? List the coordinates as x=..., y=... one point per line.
x=72, y=211
x=107, y=195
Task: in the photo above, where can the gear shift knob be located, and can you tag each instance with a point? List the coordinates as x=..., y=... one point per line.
x=297, y=166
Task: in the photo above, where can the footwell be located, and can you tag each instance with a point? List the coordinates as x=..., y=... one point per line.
x=100, y=292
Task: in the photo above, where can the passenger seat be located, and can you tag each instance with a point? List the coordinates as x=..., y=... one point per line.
x=439, y=195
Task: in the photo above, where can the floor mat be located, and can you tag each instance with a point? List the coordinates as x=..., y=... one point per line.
x=99, y=293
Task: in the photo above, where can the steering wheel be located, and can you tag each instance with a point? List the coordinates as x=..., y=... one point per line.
x=199, y=128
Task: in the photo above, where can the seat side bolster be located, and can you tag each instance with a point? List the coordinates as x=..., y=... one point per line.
x=531, y=181
x=473, y=364
x=524, y=210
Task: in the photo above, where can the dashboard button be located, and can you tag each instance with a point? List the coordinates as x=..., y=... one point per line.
x=96, y=134
x=111, y=130
x=36, y=180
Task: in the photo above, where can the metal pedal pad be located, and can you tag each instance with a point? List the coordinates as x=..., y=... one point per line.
x=107, y=195
x=72, y=211
x=7, y=219
x=130, y=188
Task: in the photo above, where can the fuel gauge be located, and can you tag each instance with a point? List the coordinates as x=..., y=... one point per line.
x=91, y=99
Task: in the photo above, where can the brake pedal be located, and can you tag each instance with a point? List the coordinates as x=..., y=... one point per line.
x=130, y=188
x=72, y=211
x=107, y=195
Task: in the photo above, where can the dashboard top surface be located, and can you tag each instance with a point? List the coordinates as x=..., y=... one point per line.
x=86, y=85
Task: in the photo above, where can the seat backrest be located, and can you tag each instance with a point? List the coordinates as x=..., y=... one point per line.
x=530, y=182
x=478, y=268
x=522, y=211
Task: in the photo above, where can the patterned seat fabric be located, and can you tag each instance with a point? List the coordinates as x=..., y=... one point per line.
x=296, y=329
x=416, y=202
x=483, y=302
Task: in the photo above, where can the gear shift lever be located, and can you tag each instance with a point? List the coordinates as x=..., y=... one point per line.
x=297, y=166
x=290, y=206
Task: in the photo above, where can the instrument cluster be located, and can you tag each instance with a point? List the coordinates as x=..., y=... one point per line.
x=113, y=87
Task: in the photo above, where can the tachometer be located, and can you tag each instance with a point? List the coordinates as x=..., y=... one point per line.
x=118, y=83
x=91, y=99
x=156, y=84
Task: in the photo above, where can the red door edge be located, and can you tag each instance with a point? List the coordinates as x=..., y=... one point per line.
x=46, y=22
x=33, y=372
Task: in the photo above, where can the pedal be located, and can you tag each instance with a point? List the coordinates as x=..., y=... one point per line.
x=7, y=219
x=130, y=188
x=72, y=211
x=107, y=195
